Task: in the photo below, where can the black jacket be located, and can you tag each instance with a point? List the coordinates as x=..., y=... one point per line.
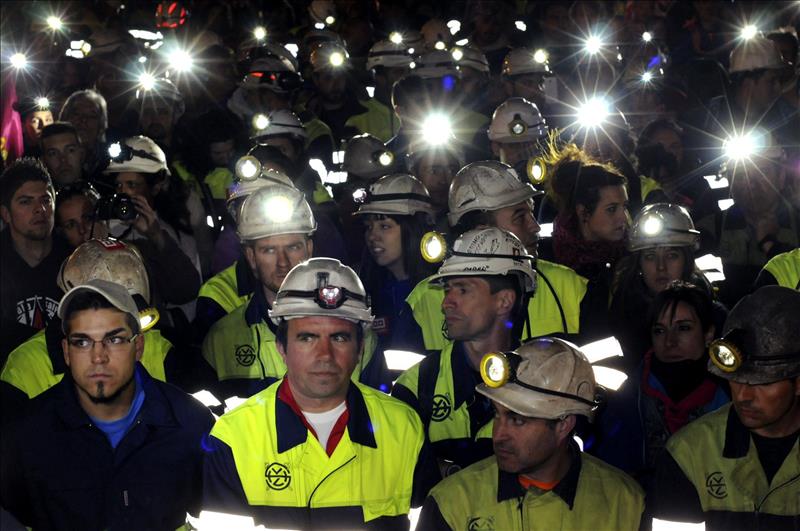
x=59, y=471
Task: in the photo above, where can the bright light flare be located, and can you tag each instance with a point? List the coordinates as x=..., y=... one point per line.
x=647, y=77
x=329, y=20
x=396, y=37
x=652, y=226
x=647, y=36
x=336, y=59
x=55, y=23
x=440, y=45
x=593, y=44
x=437, y=129
x=147, y=80
x=278, y=209
x=457, y=54
x=19, y=61
x=593, y=112
x=520, y=25
x=260, y=121
x=454, y=26
x=749, y=31
x=42, y=102
x=115, y=150
x=181, y=60
x=740, y=147
x=540, y=56
x=260, y=33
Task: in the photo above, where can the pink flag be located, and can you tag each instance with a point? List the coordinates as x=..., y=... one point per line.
x=11, y=143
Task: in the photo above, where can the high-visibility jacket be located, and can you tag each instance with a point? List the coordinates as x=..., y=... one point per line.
x=226, y=287
x=241, y=350
x=38, y=364
x=718, y=457
x=285, y=479
x=785, y=267
x=554, y=308
x=379, y=120
x=457, y=420
x=592, y=496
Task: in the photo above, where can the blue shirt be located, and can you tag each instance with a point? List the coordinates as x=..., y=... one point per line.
x=115, y=430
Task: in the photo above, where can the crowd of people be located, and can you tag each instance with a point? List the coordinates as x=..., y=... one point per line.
x=483, y=265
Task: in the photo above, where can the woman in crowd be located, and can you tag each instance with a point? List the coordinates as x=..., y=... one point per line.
x=670, y=388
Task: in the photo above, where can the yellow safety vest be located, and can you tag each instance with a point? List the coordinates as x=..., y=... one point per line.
x=30, y=369
x=559, y=294
x=377, y=478
x=223, y=288
x=379, y=120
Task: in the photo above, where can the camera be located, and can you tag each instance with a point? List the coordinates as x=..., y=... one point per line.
x=117, y=206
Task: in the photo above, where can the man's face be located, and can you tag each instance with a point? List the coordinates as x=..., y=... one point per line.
x=101, y=373
x=757, y=186
x=518, y=219
x=528, y=86
x=271, y=258
x=470, y=308
x=764, y=91
x=770, y=410
x=35, y=122
x=221, y=153
x=63, y=155
x=330, y=86
x=522, y=445
x=87, y=120
x=436, y=171
x=75, y=217
x=133, y=183
x=155, y=121
x=320, y=355
x=30, y=214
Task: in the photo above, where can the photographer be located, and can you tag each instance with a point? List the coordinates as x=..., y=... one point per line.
x=148, y=210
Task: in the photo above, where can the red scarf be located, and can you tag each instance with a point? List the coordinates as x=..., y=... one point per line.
x=677, y=414
x=571, y=250
x=285, y=395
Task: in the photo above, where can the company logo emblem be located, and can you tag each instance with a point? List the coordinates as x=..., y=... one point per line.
x=715, y=485
x=245, y=355
x=277, y=476
x=480, y=523
x=441, y=408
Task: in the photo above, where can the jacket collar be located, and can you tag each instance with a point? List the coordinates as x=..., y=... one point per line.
x=244, y=277
x=52, y=337
x=257, y=310
x=508, y=486
x=291, y=427
x=737, y=437
x=156, y=409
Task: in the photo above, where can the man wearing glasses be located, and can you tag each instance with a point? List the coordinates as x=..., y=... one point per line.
x=108, y=446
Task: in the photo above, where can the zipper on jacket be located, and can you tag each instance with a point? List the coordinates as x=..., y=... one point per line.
x=521, y=512
x=258, y=356
x=767, y=495
x=308, y=505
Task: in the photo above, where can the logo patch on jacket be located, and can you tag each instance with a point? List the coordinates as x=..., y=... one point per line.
x=245, y=355
x=277, y=476
x=480, y=523
x=715, y=485
x=441, y=408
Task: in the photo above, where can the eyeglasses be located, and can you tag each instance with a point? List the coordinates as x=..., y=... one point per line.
x=111, y=343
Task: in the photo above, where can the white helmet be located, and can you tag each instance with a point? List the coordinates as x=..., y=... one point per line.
x=663, y=225
x=469, y=57
x=106, y=259
x=521, y=61
x=755, y=54
x=274, y=73
x=389, y=54
x=163, y=90
x=136, y=154
x=437, y=63
x=280, y=122
x=367, y=157
x=545, y=378
x=322, y=287
x=329, y=55
x=400, y=193
x=242, y=188
x=274, y=210
x=486, y=185
x=517, y=120
x=489, y=251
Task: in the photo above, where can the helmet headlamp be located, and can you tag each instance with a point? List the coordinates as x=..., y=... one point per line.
x=248, y=168
x=433, y=247
x=537, y=170
x=326, y=297
x=652, y=226
x=384, y=158
x=119, y=152
x=517, y=127
x=725, y=352
x=260, y=122
x=42, y=103
x=540, y=56
x=336, y=59
x=360, y=196
x=148, y=318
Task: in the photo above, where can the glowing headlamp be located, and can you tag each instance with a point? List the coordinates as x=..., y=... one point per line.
x=360, y=196
x=55, y=23
x=748, y=32
x=180, y=60
x=496, y=369
x=647, y=36
x=119, y=152
x=457, y=54
x=336, y=59
x=396, y=37
x=647, y=77
x=147, y=81
x=148, y=318
x=437, y=129
x=329, y=20
x=540, y=56
x=593, y=112
x=278, y=209
x=725, y=354
x=652, y=226
x=433, y=247
x=19, y=61
x=440, y=45
x=326, y=297
x=260, y=33
x=384, y=158
x=537, y=170
x=260, y=122
x=115, y=150
x=517, y=127
x=42, y=103
x=593, y=44
x=740, y=147
x=248, y=168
